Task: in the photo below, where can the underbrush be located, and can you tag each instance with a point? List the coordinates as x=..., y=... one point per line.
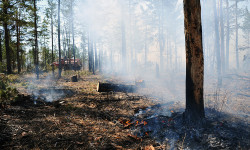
x=218, y=100
x=8, y=94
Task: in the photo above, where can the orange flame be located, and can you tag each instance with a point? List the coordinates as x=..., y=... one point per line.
x=145, y=123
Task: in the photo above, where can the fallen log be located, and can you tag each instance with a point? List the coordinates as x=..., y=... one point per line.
x=108, y=87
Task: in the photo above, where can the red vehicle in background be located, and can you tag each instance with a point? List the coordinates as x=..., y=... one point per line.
x=68, y=64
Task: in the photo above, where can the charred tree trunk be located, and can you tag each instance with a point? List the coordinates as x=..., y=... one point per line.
x=194, y=113
x=222, y=38
x=59, y=43
x=227, y=38
x=217, y=44
x=6, y=36
x=36, y=41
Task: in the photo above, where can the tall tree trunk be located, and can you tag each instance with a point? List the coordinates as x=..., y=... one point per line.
x=194, y=112
x=45, y=53
x=146, y=47
x=18, y=43
x=68, y=46
x=124, y=55
x=217, y=44
x=6, y=36
x=236, y=38
x=59, y=42
x=36, y=41
x=1, y=53
x=175, y=50
x=96, y=57
x=52, y=43
x=92, y=55
x=228, y=38
x=161, y=36
x=69, y=51
x=89, y=52
x=100, y=58
x=130, y=38
x=73, y=36
x=222, y=38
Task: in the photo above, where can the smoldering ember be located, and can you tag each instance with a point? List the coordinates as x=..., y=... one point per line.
x=125, y=74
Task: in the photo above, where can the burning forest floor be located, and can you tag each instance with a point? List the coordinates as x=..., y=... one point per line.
x=59, y=114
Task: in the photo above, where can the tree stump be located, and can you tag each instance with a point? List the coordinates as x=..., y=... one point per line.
x=74, y=78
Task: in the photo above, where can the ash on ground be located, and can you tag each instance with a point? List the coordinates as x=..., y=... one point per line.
x=221, y=131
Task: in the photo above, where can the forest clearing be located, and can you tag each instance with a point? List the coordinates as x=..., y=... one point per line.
x=125, y=74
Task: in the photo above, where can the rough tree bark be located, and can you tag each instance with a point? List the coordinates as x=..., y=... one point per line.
x=194, y=113
x=6, y=36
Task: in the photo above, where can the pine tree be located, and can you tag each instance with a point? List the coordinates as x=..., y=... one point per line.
x=5, y=8
x=59, y=41
x=194, y=113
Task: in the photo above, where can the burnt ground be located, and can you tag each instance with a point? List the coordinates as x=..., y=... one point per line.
x=85, y=119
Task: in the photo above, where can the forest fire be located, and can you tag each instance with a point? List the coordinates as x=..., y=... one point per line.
x=124, y=74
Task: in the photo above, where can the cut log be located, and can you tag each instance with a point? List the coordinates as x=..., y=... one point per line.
x=74, y=78
x=108, y=87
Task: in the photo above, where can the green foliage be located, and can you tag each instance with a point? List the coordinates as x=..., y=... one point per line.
x=2, y=66
x=12, y=78
x=8, y=95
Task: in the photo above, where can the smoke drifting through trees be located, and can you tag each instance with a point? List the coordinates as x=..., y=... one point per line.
x=139, y=39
